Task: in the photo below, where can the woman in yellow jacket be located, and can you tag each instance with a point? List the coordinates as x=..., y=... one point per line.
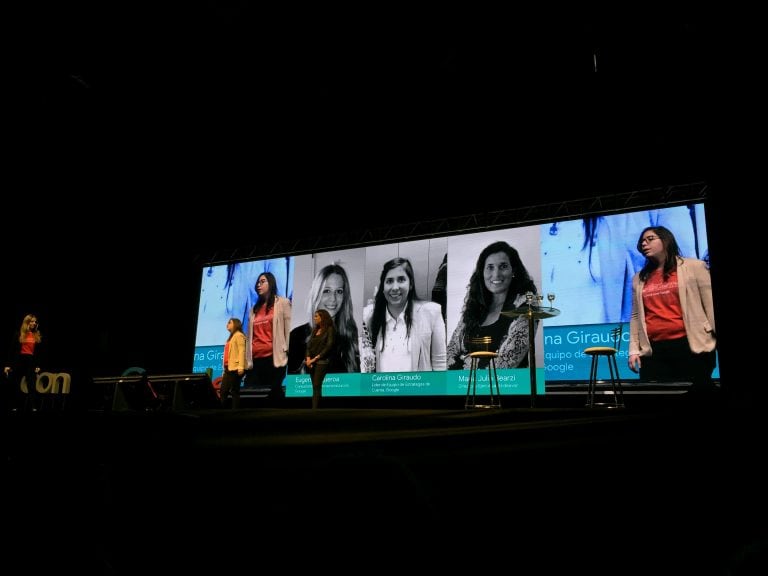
x=234, y=362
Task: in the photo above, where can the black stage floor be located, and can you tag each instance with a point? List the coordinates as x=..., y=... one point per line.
x=658, y=487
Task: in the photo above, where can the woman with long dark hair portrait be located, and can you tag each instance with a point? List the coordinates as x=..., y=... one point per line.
x=401, y=333
x=499, y=282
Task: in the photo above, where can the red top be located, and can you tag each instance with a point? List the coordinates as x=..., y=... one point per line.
x=663, y=313
x=28, y=346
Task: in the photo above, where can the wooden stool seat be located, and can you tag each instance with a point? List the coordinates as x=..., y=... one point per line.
x=610, y=353
x=476, y=356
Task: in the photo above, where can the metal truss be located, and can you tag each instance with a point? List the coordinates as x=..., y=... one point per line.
x=665, y=196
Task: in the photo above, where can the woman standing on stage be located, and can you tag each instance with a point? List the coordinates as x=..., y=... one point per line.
x=268, y=334
x=24, y=363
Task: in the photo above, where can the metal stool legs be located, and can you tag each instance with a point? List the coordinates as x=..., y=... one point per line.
x=616, y=387
x=471, y=399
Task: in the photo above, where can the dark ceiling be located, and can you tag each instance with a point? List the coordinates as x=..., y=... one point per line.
x=142, y=134
x=208, y=106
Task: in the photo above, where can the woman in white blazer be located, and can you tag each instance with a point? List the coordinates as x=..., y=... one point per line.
x=400, y=332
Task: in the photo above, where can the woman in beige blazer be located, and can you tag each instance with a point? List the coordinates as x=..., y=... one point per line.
x=672, y=327
x=269, y=330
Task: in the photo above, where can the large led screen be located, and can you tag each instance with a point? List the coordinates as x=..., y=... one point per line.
x=459, y=286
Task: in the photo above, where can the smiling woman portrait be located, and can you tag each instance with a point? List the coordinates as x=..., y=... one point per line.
x=499, y=282
x=401, y=333
x=330, y=291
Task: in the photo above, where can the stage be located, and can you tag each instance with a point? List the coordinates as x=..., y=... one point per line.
x=659, y=484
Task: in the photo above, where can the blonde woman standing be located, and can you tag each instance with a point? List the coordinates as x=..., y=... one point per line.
x=24, y=362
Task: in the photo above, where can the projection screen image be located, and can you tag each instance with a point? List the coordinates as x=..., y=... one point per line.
x=450, y=289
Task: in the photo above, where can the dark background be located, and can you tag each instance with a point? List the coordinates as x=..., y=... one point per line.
x=143, y=136
x=139, y=135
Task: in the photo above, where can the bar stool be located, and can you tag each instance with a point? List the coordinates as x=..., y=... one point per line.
x=471, y=400
x=610, y=353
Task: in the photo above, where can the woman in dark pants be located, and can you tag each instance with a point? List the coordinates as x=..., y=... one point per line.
x=672, y=328
x=319, y=351
x=24, y=362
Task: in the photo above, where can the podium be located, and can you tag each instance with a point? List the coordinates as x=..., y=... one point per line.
x=532, y=313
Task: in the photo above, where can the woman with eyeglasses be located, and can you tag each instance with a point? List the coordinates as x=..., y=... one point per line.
x=269, y=329
x=24, y=363
x=672, y=326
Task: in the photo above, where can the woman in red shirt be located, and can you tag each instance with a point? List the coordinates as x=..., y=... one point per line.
x=24, y=362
